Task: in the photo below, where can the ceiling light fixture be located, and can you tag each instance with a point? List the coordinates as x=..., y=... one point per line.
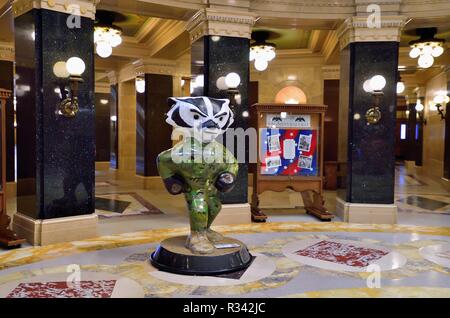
x=427, y=47
x=261, y=52
x=106, y=34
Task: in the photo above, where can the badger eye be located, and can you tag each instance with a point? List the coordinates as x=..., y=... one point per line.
x=221, y=118
x=196, y=117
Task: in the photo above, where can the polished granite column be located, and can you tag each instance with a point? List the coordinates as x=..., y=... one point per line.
x=153, y=134
x=447, y=131
x=214, y=55
x=102, y=127
x=114, y=126
x=7, y=82
x=366, y=193
x=55, y=154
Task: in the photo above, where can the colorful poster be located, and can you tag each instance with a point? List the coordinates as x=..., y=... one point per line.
x=286, y=152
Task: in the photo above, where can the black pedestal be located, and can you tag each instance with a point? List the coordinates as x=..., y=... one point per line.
x=172, y=256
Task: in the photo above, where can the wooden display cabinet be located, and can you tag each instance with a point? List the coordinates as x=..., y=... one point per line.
x=7, y=237
x=290, y=154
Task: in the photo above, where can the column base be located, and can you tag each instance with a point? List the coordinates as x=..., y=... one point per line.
x=102, y=165
x=366, y=213
x=234, y=214
x=51, y=231
x=151, y=182
x=11, y=189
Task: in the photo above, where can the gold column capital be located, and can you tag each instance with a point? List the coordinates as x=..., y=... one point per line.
x=221, y=22
x=84, y=8
x=7, y=51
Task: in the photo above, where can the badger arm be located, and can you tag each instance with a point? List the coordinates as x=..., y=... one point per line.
x=226, y=180
x=173, y=182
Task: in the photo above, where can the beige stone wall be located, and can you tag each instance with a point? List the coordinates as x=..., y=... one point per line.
x=127, y=127
x=307, y=77
x=434, y=130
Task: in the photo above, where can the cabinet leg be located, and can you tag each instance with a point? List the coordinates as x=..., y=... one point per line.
x=8, y=238
x=257, y=214
x=315, y=205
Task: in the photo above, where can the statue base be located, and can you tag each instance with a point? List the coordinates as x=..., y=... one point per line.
x=172, y=256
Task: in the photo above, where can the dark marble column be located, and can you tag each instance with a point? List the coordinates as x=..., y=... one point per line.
x=447, y=133
x=7, y=82
x=114, y=126
x=370, y=155
x=153, y=135
x=102, y=127
x=55, y=154
x=214, y=57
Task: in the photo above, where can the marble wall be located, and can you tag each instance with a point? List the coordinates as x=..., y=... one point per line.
x=127, y=127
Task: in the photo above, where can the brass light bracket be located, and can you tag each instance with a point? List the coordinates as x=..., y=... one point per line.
x=373, y=115
x=69, y=106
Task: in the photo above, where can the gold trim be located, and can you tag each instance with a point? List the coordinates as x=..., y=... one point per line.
x=87, y=8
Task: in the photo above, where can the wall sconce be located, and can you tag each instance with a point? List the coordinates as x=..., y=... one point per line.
x=374, y=86
x=420, y=112
x=70, y=72
x=439, y=101
x=140, y=85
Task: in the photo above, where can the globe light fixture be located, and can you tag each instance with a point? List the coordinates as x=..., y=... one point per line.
x=439, y=100
x=261, y=52
x=374, y=86
x=107, y=35
x=232, y=80
x=140, y=85
x=419, y=106
x=427, y=47
x=69, y=73
x=75, y=66
x=400, y=85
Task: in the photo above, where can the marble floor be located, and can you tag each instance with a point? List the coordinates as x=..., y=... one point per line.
x=295, y=255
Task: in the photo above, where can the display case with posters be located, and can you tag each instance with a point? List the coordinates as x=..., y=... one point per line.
x=290, y=154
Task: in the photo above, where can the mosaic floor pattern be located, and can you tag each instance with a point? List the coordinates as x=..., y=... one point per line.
x=291, y=260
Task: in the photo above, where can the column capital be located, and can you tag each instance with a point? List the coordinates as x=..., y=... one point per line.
x=155, y=66
x=5, y=94
x=213, y=21
x=113, y=77
x=7, y=52
x=360, y=29
x=84, y=8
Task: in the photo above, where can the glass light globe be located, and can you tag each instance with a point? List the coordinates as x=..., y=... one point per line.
x=140, y=85
x=367, y=87
x=261, y=64
x=60, y=70
x=252, y=55
x=221, y=84
x=437, y=51
x=439, y=99
x=97, y=35
x=232, y=80
x=116, y=40
x=419, y=107
x=400, y=87
x=75, y=66
x=415, y=52
x=245, y=113
x=271, y=55
x=377, y=82
x=200, y=81
x=426, y=60
x=427, y=50
x=104, y=49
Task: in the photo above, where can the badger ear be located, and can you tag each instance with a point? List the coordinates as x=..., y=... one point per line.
x=172, y=101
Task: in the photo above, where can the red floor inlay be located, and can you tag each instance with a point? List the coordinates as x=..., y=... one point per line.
x=83, y=289
x=340, y=253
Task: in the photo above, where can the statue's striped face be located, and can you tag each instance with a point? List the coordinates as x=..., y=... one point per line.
x=210, y=116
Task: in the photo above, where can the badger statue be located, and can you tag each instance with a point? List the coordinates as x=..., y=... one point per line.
x=199, y=166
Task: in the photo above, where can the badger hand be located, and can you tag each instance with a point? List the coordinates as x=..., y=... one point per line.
x=174, y=184
x=225, y=182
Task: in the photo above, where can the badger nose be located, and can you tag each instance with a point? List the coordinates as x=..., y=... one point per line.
x=210, y=124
